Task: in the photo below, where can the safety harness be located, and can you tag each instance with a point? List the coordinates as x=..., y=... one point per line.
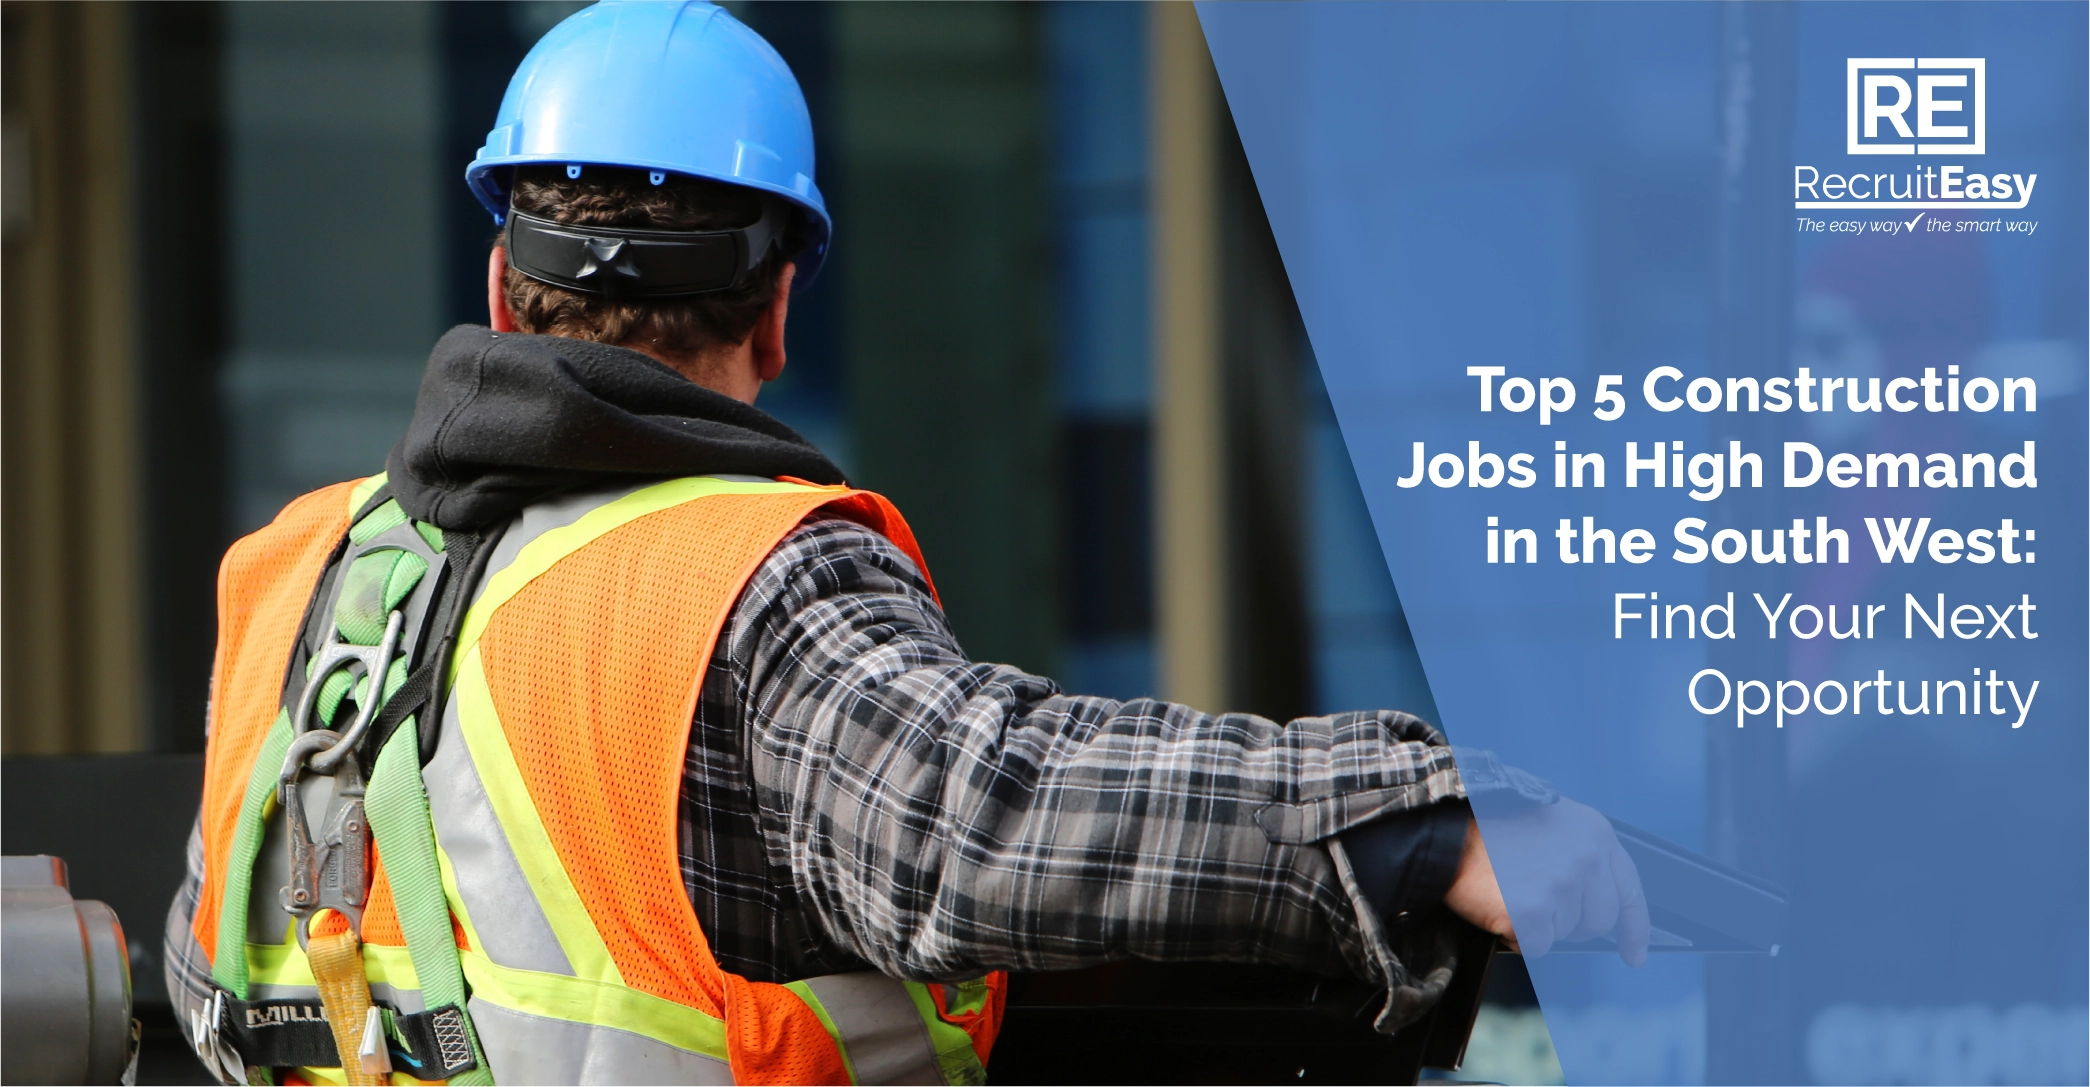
x=364, y=667
x=532, y=918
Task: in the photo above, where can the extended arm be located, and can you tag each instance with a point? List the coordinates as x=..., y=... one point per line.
x=941, y=816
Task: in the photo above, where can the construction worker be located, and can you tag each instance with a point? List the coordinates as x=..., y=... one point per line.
x=611, y=737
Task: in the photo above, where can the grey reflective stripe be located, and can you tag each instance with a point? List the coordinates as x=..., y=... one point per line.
x=507, y=918
x=505, y=913
x=539, y=518
x=525, y=1048
x=882, y=1032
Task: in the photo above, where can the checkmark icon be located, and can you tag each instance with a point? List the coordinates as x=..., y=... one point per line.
x=1912, y=222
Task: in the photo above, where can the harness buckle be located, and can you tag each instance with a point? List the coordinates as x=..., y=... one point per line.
x=332, y=871
x=207, y=1038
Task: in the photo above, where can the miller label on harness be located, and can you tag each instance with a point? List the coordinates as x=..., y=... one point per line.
x=440, y=829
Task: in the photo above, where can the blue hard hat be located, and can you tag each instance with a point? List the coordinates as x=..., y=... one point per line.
x=679, y=87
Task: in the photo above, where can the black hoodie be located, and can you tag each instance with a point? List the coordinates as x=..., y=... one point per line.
x=505, y=419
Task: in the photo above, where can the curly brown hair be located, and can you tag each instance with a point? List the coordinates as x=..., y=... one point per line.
x=609, y=196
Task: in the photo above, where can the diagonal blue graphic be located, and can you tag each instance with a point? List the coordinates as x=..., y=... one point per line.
x=1556, y=193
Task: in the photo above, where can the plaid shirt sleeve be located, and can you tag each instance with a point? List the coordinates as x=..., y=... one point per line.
x=940, y=817
x=186, y=970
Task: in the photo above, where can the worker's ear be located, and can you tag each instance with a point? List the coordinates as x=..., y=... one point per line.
x=498, y=314
x=768, y=338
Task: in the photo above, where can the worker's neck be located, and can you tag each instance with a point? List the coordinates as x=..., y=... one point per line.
x=728, y=371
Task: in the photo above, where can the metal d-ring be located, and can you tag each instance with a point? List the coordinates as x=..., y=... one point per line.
x=376, y=662
x=403, y=629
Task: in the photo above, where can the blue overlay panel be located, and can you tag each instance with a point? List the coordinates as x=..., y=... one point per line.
x=1714, y=378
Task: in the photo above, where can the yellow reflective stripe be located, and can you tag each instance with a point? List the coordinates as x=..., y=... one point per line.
x=541, y=553
x=517, y=814
x=954, y=1052
x=597, y=995
x=361, y=492
x=595, y=1004
x=333, y=1076
x=285, y=964
x=812, y=1000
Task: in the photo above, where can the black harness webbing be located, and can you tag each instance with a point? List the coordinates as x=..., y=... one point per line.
x=294, y=1033
x=466, y=554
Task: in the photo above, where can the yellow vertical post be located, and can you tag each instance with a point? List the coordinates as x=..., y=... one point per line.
x=67, y=379
x=1189, y=462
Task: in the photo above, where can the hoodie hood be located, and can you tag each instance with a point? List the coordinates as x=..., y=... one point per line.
x=506, y=419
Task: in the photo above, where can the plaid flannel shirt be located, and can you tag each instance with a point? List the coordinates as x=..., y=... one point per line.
x=860, y=794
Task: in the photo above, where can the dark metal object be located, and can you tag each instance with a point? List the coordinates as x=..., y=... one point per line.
x=65, y=981
x=331, y=872
x=1209, y=1023
x=1154, y=1023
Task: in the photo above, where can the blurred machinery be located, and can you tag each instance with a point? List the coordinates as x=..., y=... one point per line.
x=65, y=981
x=119, y=822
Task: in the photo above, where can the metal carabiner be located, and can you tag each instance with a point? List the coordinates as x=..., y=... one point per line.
x=331, y=872
x=377, y=662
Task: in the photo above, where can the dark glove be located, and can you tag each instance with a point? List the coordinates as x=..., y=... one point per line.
x=1405, y=862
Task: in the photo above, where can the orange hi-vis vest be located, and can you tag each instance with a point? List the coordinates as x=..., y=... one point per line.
x=526, y=920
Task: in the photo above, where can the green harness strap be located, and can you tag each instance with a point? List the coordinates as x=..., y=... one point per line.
x=229, y=967
x=397, y=807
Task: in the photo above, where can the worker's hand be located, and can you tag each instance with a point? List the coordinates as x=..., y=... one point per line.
x=1574, y=881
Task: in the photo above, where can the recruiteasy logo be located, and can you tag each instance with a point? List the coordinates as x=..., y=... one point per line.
x=1877, y=96
x=1914, y=106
